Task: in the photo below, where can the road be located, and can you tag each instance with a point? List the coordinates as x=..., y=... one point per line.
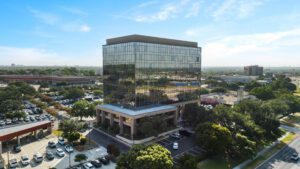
x=282, y=159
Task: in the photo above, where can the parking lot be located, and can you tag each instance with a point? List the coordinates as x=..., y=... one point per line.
x=186, y=145
x=41, y=146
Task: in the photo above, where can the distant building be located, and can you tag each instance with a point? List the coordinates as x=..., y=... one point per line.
x=142, y=77
x=52, y=80
x=238, y=79
x=253, y=70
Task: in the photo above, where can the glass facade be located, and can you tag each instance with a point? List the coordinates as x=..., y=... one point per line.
x=138, y=74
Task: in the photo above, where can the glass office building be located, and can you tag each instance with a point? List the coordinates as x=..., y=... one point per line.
x=141, y=71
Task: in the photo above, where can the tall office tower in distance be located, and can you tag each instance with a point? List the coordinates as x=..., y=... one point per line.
x=146, y=76
x=253, y=70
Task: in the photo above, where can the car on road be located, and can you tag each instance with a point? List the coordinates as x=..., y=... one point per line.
x=25, y=160
x=38, y=158
x=175, y=135
x=175, y=146
x=69, y=149
x=49, y=155
x=104, y=160
x=2, y=123
x=13, y=163
x=51, y=144
x=295, y=157
x=96, y=163
x=60, y=152
x=61, y=141
x=17, y=148
x=88, y=165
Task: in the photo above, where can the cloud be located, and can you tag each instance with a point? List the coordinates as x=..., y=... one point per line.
x=194, y=10
x=47, y=18
x=268, y=49
x=59, y=22
x=236, y=8
x=41, y=57
x=144, y=13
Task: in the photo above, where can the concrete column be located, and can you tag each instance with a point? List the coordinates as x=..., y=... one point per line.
x=121, y=124
x=35, y=134
x=0, y=147
x=111, y=119
x=133, y=127
x=49, y=129
x=175, y=117
x=19, y=140
x=98, y=115
x=102, y=116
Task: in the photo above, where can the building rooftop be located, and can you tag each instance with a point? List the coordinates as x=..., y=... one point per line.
x=150, y=39
x=139, y=112
x=21, y=129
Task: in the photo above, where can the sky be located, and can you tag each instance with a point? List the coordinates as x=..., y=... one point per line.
x=72, y=32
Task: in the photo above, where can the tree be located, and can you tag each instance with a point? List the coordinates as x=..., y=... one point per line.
x=74, y=93
x=80, y=158
x=215, y=138
x=263, y=93
x=70, y=129
x=152, y=126
x=74, y=136
x=147, y=157
x=113, y=150
x=219, y=90
x=187, y=161
x=83, y=108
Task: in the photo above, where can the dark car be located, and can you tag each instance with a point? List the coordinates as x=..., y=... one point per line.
x=17, y=148
x=295, y=157
x=51, y=144
x=49, y=155
x=96, y=163
x=37, y=118
x=104, y=160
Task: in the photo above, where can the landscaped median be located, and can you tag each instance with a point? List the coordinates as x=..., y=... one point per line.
x=220, y=163
x=291, y=120
x=267, y=154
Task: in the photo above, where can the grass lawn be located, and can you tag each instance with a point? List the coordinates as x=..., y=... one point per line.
x=57, y=132
x=287, y=139
x=215, y=163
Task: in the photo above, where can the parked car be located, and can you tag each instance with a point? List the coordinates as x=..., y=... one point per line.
x=88, y=165
x=21, y=119
x=8, y=121
x=13, y=163
x=26, y=119
x=60, y=152
x=61, y=141
x=31, y=118
x=175, y=135
x=25, y=160
x=17, y=148
x=295, y=157
x=51, y=144
x=2, y=123
x=104, y=160
x=175, y=146
x=15, y=120
x=38, y=158
x=96, y=163
x=69, y=149
x=49, y=155
x=37, y=118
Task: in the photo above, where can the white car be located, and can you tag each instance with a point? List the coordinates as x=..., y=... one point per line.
x=61, y=141
x=38, y=158
x=60, y=152
x=25, y=160
x=13, y=163
x=88, y=166
x=69, y=149
x=175, y=135
x=175, y=146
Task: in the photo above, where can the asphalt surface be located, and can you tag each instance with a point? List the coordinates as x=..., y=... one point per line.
x=282, y=160
x=103, y=140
